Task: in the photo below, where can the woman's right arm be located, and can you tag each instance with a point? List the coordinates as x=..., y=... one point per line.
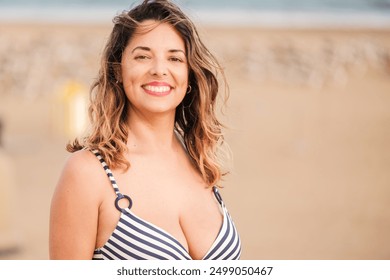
x=75, y=208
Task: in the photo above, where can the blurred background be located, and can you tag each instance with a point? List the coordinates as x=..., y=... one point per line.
x=308, y=118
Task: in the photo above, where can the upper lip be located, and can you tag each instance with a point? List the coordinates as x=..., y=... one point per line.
x=158, y=84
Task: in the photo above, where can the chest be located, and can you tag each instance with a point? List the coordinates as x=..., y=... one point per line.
x=180, y=206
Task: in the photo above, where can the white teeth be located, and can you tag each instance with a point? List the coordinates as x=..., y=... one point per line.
x=158, y=89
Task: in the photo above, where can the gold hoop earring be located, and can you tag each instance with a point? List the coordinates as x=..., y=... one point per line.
x=189, y=89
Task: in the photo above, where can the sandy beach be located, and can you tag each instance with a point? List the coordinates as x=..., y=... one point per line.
x=309, y=127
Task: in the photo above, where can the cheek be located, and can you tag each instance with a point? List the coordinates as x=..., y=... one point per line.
x=129, y=83
x=130, y=76
x=182, y=77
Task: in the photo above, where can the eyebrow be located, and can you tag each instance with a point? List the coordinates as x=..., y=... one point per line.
x=141, y=48
x=149, y=49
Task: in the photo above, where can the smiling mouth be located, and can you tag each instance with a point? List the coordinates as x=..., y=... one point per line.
x=157, y=90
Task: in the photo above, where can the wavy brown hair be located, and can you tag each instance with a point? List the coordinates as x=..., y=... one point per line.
x=195, y=118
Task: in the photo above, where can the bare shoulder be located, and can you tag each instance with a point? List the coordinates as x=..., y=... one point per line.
x=82, y=174
x=82, y=161
x=75, y=206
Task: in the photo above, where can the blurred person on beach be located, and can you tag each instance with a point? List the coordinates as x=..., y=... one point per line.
x=144, y=183
x=8, y=239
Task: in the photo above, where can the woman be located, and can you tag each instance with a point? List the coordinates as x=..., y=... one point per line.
x=155, y=134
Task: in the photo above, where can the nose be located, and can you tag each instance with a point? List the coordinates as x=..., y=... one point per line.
x=158, y=67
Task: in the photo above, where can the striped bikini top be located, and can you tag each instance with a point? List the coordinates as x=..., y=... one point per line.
x=137, y=239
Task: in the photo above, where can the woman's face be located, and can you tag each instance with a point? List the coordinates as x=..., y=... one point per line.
x=154, y=69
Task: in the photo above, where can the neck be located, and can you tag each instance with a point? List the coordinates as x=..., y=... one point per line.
x=149, y=134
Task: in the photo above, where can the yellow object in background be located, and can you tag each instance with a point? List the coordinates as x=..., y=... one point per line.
x=72, y=116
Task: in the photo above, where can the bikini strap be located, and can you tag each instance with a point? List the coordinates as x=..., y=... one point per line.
x=110, y=176
x=218, y=195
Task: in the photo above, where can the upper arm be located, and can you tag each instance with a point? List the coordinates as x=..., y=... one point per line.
x=74, y=209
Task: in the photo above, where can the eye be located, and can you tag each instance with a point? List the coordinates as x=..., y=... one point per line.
x=141, y=57
x=176, y=59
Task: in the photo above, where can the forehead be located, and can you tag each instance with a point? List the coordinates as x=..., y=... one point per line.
x=155, y=35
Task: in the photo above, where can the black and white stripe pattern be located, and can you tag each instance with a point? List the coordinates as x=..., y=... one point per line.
x=137, y=239
x=108, y=171
x=227, y=245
